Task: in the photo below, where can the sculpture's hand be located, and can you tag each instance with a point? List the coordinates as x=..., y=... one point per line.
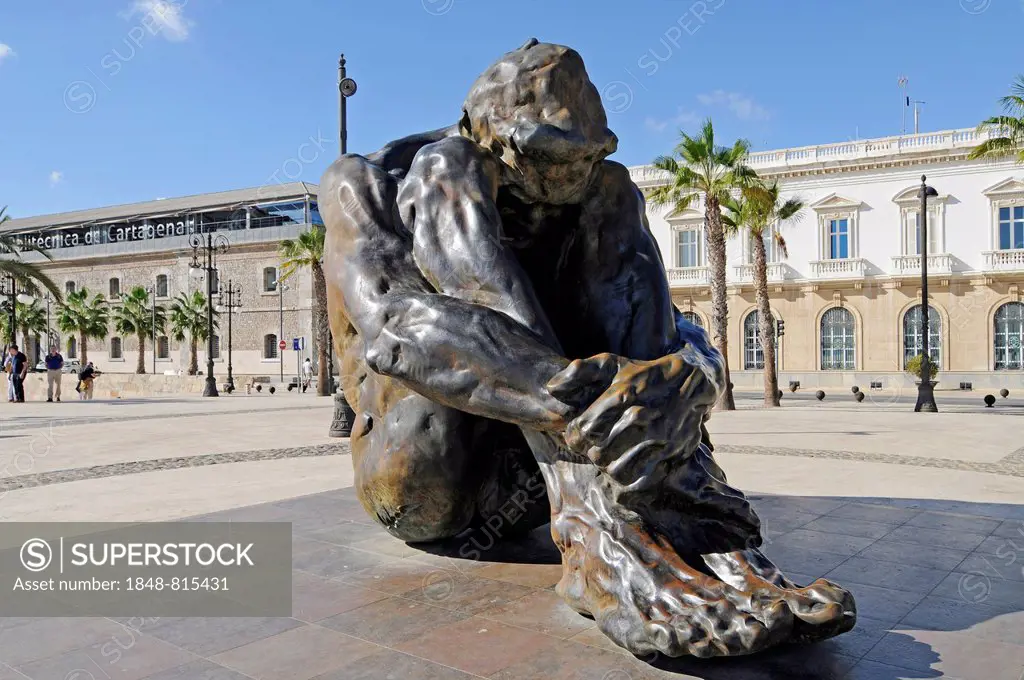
x=644, y=404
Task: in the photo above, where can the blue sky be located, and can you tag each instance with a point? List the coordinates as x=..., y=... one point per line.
x=113, y=101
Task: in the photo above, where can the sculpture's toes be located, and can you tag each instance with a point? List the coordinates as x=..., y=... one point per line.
x=823, y=609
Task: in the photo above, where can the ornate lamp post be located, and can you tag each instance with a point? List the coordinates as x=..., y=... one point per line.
x=925, y=388
x=211, y=247
x=341, y=425
x=233, y=296
x=281, y=288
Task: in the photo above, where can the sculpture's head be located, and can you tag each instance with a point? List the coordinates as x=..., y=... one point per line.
x=538, y=111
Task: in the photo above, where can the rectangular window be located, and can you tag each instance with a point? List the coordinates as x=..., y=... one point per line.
x=687, y=248
x=269, y=279
x=915, y=233
x=1011, y=228
x=839, y=239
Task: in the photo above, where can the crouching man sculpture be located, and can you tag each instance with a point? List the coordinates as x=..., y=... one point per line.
x=501, y=308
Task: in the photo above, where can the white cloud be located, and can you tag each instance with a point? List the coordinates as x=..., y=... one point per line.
x=5, y=51
x=682, y=118
x=742, y=106
x=56, y=177
x=165, y=16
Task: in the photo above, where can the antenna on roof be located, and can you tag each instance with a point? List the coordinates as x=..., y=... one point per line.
x=903, y=82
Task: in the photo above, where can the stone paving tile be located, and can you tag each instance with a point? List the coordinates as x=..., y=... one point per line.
x=914, y=554
x=958, y=540
x=332, y=561
x=882, y=514
x=571, y=661
x=392, y=621
x=593, y=637
x=883, y=604
x=345, y=532
x=127, y=657
x=394, y=578
x=974, y=619
x=837, y=544
x=873, y=670
x=857, y=642
x=989, y=565
x=997, y=593
x=814, y=563
x=949, y=522
x=888, y=574
x=1011, y=528
x=388, y=664
x=790, y=662
x=813, y=505
x=477, y=645
x=531, y=575
x=542, y=611
x=297, y=654
x=207, y=636
x=849, y=527
x=42, y=638
x=951, y=654
x=197, y=670
x=384, y=543
x=466, y=594
x=8, y=673
x=315, y=597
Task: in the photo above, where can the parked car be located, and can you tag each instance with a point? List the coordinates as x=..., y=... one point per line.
x=70, y=366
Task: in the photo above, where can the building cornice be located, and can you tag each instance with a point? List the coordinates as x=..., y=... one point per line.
x=847, y=157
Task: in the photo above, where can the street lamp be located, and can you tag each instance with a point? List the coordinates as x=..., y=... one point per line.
x=152, y=328
x=341, y=424
x=281, y=288
x=233, y=296
x=212, y=247
x=925, y=388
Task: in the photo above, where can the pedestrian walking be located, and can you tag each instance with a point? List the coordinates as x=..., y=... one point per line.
x=54, y=373
x=19, y=369
x=86, y=378
x=307, y=373
x=8, y=360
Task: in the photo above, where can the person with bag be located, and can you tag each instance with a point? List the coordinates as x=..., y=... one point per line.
x=86, y=378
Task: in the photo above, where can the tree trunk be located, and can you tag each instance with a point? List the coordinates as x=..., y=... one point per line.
x=83, y=342
x=140, y=365
x=719, y=303
x=193, y=356
x=765, y=322
x=323, y=330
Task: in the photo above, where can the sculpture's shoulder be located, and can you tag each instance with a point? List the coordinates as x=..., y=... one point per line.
x=613, y=183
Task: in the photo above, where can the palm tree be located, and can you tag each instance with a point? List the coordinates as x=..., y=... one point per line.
x=31, y=319
x=308, y=251
x=12, y=265
x=1009, y=127
x=135, y=316
x=702, y=168
x=188, y=319
x=757, y=208
x=88, y=318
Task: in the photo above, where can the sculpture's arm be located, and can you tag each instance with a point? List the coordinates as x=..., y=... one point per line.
x=453, y=351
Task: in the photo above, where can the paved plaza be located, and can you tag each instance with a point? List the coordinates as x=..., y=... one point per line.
x=921, y=516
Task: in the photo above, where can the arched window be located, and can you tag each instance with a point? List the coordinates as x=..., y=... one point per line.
x=115, y=287
x=72, y=348
x=913, y=342
x=694, y=318
x=269, y=346
x=1009, y=337
x=269, y=279
x=838, y=340
x=69, y=286
x=753, y=352
x=161, y=285
x=163, y=347
x=115, y=348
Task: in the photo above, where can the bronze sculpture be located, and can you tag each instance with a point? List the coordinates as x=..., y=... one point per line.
x=501, y=307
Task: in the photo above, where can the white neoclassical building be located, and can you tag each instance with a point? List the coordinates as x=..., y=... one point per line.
x=849, y=292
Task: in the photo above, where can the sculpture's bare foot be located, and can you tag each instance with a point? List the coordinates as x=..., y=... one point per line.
x=646, y=598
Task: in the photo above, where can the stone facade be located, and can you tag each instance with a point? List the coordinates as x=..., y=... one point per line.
x=869, y=189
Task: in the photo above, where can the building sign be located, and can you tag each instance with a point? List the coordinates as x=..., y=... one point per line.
x=101, y=234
